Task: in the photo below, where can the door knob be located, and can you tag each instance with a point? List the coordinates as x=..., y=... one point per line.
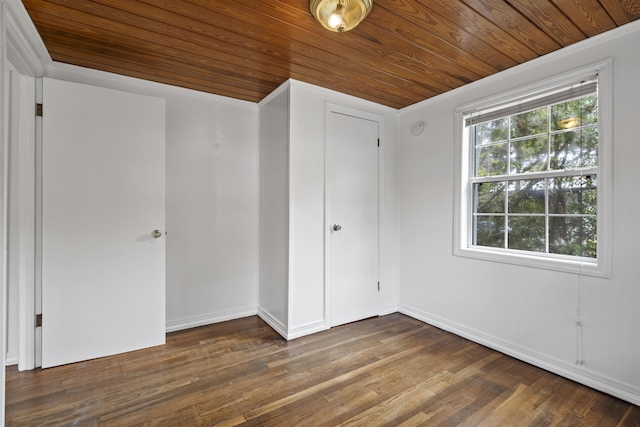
x=156, y=234
x=337, y=227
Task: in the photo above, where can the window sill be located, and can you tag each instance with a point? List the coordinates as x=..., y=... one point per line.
x=583, y=267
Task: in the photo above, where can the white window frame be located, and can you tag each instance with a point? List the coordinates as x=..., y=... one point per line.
x=463, y=172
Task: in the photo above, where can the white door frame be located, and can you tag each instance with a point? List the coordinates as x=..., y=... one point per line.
x=28, y=228
x=24, y=231
x=347, y=111
x=3, y=204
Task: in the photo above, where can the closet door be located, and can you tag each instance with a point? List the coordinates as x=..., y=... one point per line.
x=352, y=166
x=103, y=244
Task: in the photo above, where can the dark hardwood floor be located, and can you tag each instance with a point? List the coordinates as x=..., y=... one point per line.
x=386, y=371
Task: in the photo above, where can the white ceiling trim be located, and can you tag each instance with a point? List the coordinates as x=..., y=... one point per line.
x=25, y=49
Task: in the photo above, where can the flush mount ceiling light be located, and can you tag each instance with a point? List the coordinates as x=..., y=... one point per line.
x=340, y=15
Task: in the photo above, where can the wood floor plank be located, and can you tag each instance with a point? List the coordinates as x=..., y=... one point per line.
x=630, y=418
x=417, y=420
x=385, y=371
x=328, y=407
x=398, y=405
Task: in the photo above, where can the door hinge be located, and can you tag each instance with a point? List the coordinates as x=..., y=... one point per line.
x=378, y=286
x=38, y=110
x=38, y=320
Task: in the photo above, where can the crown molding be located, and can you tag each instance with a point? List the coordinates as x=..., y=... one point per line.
x=25, y=49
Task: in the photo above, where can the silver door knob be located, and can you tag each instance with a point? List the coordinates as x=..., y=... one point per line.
x=337, y=227
x=156, y=234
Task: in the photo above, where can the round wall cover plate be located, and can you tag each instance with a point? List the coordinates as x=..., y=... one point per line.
x=417, y=129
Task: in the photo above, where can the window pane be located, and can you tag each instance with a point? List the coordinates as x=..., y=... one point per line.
x=573, y=236
x=489, y=231
x=573, y=195
x=571, y=114
x=589, y=148
x=530, y=123
x=489, y=132
x=527, y=233
x=489, y=197
x=529, y=155
x=574, y=149
x=492, y=160
x=526, y=196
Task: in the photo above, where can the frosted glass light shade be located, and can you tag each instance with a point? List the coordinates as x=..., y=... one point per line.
x=340, y=15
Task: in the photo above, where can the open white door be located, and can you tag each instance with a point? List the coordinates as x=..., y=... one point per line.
x=103, y=271
x=352, y=162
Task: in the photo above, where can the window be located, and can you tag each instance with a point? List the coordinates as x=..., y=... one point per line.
x=534, y=175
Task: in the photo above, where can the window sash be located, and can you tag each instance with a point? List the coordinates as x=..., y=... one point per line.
x=529, y=103
x=536, y=175
x=555, y=97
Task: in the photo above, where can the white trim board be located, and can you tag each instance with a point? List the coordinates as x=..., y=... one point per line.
x=297, y=332
x=25, y=47
x=3, y=204
x=273, y=322
x=308, y=329
x=389, y=309
x=11, y=358
x=210, y=318
x=25, y=231
x=610, y=386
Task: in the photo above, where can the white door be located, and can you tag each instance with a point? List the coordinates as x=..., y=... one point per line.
x=103, y=274
x=352, y=160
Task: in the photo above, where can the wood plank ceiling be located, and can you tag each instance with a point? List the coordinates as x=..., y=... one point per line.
x=404, y=52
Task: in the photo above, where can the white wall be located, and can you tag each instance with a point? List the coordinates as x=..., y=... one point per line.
x=274, y=209
x=306, y=195
x=212, y=211
x=522, y=311
x=212, y=199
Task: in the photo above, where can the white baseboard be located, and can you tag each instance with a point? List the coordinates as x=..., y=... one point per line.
x=11, y=359
x=579, y=374
x=209, y=318
x=277, y=326
x=389, y=309
x=297, y=332
x=308, y=329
